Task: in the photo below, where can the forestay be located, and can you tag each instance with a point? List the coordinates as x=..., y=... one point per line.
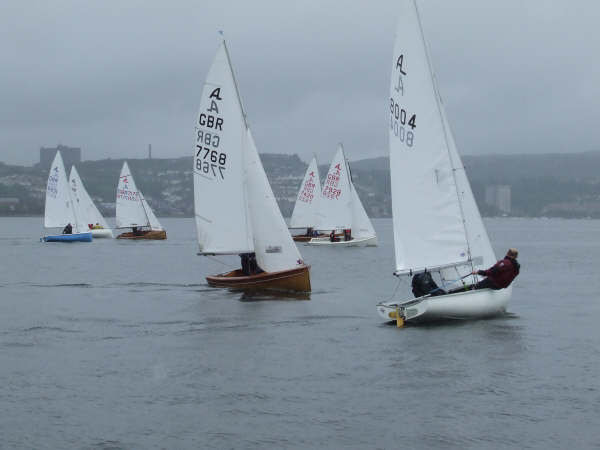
x=222, y=222
x=274, y=247
x=307, y=202
x=86, y=210
x=58, y=210
x=130, y=211
x=428, y=215
x=335, y=204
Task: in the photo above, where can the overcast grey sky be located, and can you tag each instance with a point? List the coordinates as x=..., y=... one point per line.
x=113, y=76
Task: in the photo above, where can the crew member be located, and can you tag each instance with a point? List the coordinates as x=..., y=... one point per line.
x=501, y=274
x=68, y=229
x=245, y=257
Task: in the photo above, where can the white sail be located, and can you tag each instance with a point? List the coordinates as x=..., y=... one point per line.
x=59, y=207
x=152, y=220
x=130, y=210
x=428, y=216
x=273, y=244
x=335, y=204
x=307, y=202
x=361, y=224
x=85, y=209
x=481, y=251
x=222, y=222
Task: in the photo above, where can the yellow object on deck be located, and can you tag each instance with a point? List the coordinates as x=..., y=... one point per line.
x=399, y=319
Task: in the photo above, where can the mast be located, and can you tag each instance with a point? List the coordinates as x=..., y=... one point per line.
x=77, y=224
x=239, y=98
x=237, y=90
x=439, y=108
x=350, y=182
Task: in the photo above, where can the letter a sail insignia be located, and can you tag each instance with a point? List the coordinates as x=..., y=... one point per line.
x=213, y=107
x=216, y=93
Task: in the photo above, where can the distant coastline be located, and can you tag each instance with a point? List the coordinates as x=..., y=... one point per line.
x=545, y=185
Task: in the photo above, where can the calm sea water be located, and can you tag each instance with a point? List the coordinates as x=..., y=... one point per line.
x=116, y=344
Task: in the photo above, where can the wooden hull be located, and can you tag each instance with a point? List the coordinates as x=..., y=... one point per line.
x=296, y=279
x=149, y=234
x=75, y=237
x=476, y=304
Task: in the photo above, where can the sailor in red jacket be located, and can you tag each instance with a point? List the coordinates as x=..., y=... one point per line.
x=501, y=274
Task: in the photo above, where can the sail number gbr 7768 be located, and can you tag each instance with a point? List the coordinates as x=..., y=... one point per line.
x=400, y=122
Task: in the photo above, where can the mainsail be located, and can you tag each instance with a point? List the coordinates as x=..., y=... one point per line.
x=307, y=202
x=59, y=206
x=236, y=211
x=130, y=208
x=84, y=206
x=220, y=204
x=335, y=205
x=436, y=221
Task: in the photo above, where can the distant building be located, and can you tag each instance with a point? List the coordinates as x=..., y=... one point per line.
x=70, y=155
x=499, y=197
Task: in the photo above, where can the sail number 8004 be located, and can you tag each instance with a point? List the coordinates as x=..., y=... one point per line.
x=399, y=123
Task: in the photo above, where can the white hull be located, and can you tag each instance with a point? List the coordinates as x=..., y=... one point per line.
x=370, y=241
x=475, y=304
x=102, y=233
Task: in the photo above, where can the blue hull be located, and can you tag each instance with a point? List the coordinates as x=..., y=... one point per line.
x=77, y=237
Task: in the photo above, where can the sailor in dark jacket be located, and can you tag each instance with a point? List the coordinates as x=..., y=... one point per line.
x=501, y=274
x=68, y=229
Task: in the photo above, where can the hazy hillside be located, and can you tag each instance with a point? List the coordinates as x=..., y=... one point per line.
x=551, y=185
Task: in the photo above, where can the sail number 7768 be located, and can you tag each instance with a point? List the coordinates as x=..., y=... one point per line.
x=209, y=162
x=400, y=122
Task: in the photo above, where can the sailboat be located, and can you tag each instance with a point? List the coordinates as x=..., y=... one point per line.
x=235, y=209
x=437, y=226
x=86, y=211
x=307, y=201
x=59, y=210
x=133, y=211
x=340, y=210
